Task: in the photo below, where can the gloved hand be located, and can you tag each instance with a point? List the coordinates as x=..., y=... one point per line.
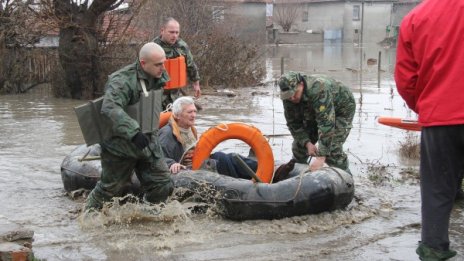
x=140, y=140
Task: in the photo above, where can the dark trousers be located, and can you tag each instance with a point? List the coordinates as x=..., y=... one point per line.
x=227, y=165
x=441, y=173
x=117, y=171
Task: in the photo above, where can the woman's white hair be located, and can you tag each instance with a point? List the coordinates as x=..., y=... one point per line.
x=180, y=103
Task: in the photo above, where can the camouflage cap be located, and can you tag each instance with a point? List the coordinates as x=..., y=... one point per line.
x=287, y=83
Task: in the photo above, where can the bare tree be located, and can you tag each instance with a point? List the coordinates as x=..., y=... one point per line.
x=222, y=58
x=18, y=32
x=78, y=42
x=96, y=38
x=86, y=30
x=193, y=16
x=286, y=15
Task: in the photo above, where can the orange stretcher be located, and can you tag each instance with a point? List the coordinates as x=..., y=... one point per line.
x=177, y=70
x=405, y=124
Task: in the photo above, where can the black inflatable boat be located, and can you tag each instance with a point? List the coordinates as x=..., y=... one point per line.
x=237, y=199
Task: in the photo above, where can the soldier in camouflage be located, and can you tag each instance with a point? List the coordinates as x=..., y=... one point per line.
x=318, y=109
x=129, y=149
x=174, y=47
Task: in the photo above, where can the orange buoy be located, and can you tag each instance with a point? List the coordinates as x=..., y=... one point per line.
x=405, y=124
x=177, y=70
x=164, y=118
x=244, y=132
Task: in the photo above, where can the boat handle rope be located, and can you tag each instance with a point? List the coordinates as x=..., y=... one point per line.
x=168, y=108
x=226, y=128
x=338, y=173
x=77, y=172
x=273, y=201
x=88, y=158
x=222, y=126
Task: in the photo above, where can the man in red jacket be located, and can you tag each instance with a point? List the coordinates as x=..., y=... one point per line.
x=429, y=75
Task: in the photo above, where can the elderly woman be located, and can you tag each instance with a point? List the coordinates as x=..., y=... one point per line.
x=179, y=136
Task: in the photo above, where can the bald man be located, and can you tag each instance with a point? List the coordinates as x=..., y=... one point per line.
x=131, y=147
x=174, y=47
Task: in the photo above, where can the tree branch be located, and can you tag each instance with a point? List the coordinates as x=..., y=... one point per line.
x=99, y=6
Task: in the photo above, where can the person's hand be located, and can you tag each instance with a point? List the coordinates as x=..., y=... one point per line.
x=140, y=140
x=317, y=163
x=311, y=148
x=176, y=167
x=196, y=89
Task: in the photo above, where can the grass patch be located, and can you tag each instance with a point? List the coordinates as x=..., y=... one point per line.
x=410, y=146
x=378, y=173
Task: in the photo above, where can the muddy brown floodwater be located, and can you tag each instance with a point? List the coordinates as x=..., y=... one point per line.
x=382, y=222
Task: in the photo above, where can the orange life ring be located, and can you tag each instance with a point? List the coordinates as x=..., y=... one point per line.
x=244, y=132
x=164, y=118
x=405, y=124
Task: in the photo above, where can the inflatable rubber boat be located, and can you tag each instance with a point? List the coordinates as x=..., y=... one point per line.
x=304, y=193
x=237, y=199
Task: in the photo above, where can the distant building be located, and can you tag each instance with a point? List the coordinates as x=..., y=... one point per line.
x=247, y=17
x=343, y=20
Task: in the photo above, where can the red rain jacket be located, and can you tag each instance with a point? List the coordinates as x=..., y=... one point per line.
x=429, y=70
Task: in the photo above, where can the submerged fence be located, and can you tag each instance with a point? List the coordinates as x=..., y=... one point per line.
x=23, y=68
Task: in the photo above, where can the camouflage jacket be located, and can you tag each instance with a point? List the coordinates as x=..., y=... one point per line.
x=177, y=49
x=314, y=118
x=122, y=89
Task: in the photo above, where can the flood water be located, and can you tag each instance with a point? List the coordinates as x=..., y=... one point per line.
x=382, y=222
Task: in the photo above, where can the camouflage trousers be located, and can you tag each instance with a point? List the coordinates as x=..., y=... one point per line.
x=337, y=157
x=152, y=172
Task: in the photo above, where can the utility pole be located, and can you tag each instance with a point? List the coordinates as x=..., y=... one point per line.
x=361, y=47
x=362, y=23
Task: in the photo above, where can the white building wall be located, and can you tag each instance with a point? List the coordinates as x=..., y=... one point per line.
x=321, y=16
x=376, y=19
x=333, y=16
x=248, y=21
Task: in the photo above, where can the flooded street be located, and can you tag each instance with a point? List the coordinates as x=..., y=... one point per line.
x=382, y=222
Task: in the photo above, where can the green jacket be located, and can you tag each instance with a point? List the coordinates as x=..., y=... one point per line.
x=122, y=89
x=177, y=49
x=314, y=118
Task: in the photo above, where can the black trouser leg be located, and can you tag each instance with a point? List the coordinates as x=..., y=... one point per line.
x=442, y=156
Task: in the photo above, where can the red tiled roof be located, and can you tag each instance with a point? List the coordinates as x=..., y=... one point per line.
x=115, y=25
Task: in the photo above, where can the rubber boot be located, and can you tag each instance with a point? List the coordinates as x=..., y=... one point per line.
x=430, y=254
x=93, y=204
x=459, y=195
x=283, y=171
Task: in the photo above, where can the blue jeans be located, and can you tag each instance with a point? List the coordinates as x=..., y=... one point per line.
x=227, y=165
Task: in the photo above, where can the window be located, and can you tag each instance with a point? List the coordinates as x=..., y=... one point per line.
x=304, y=16
x=356, y=13
x=269, y=10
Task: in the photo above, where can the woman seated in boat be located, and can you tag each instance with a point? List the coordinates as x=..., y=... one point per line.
x=178, y=139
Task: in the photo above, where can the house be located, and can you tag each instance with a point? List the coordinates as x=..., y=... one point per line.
x=339, y=20
x=246, y=18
